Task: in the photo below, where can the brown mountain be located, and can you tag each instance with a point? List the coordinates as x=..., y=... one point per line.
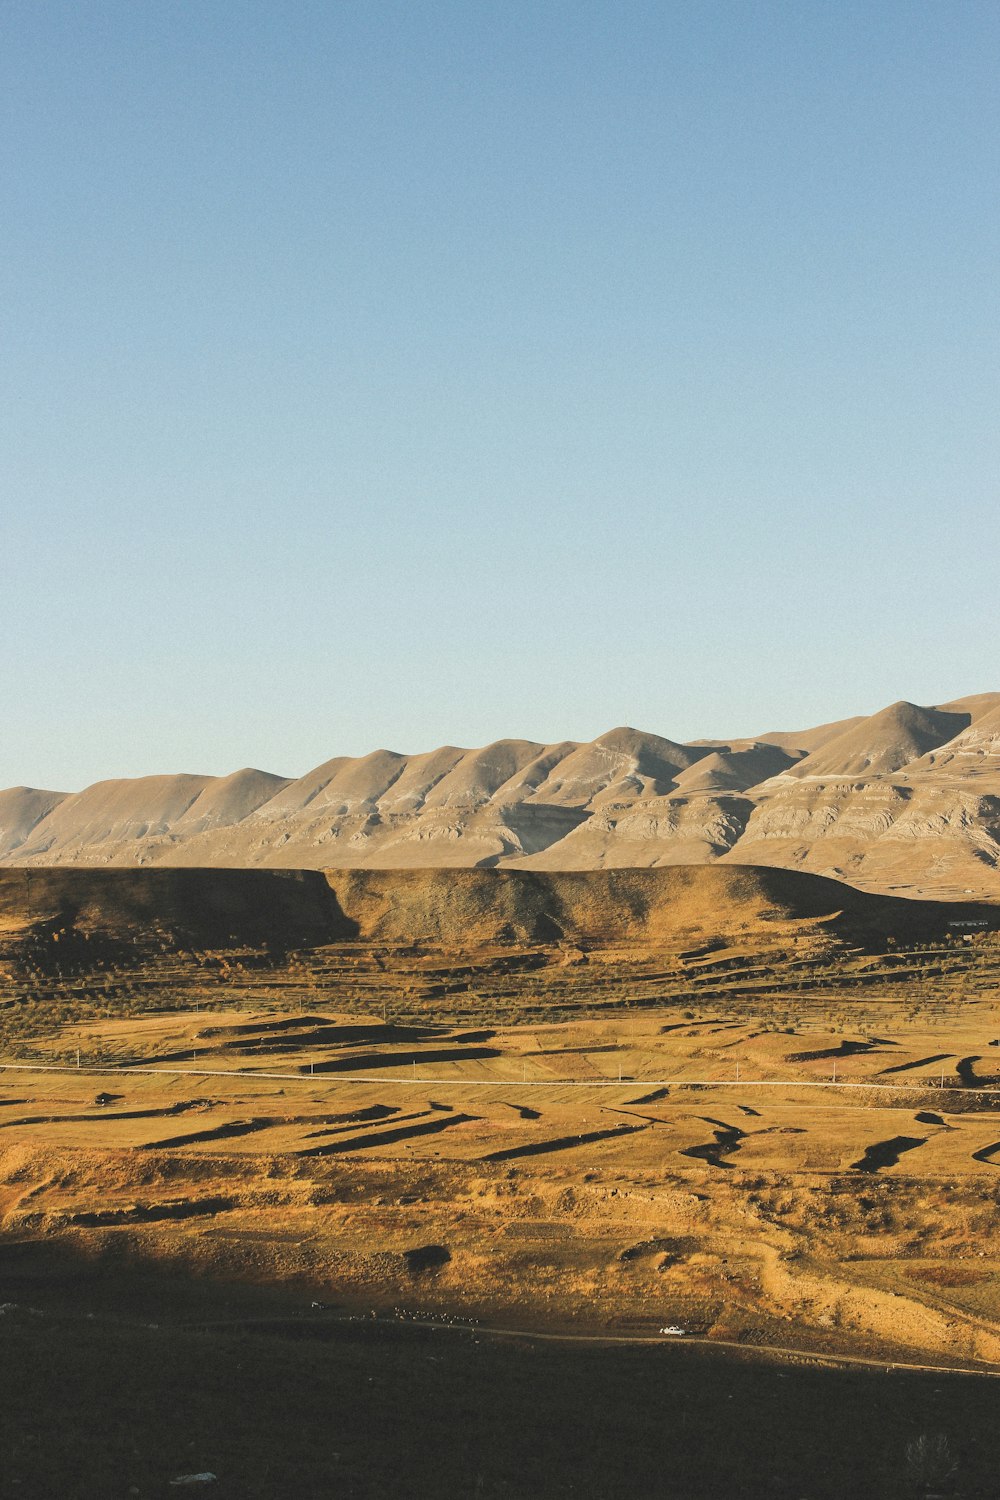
x=904, y=800
x=886, y=742
x=22, y=808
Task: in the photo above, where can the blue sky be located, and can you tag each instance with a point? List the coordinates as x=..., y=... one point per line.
x=407, y=373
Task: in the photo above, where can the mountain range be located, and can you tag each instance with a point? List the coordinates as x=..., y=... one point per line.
x=906, y=800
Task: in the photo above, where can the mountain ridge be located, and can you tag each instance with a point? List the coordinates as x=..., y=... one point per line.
x=904, y=800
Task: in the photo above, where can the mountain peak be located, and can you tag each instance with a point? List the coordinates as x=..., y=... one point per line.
x=902, y=799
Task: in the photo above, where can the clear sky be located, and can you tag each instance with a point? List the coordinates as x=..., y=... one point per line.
x=399, y=372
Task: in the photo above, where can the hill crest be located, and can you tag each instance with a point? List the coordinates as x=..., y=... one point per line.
x=904, y=800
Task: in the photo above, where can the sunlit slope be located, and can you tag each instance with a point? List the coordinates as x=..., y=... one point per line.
x=904, y=800
x=660, y=907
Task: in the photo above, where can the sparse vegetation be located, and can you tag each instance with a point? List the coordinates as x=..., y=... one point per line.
x=595, y=1148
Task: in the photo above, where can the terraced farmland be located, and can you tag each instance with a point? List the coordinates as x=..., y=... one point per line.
x=731, y=1118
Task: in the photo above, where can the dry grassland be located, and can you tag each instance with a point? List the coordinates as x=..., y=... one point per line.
x=777, y=1129
x=726, y=1184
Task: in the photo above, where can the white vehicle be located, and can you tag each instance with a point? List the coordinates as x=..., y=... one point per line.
x=674, y=1329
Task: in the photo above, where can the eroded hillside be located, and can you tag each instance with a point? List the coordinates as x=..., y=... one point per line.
x=904, y=800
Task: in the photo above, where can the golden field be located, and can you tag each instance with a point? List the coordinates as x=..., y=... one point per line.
x=544, y=1116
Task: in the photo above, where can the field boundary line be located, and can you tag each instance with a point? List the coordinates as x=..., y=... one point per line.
x=421, y=1081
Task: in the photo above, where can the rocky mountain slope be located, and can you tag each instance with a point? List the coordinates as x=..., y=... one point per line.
x=906, y=800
